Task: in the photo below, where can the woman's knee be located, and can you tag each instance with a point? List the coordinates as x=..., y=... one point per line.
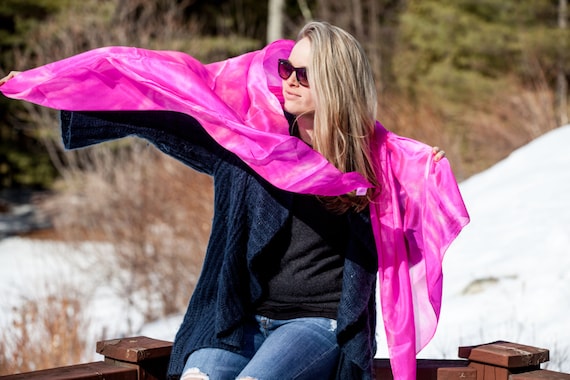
x=214, y=364
x=194, y=373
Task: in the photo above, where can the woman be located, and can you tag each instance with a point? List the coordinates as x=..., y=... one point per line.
x=294, y=332
x=312, y=195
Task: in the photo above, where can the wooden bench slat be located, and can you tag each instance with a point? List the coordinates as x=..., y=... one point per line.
x=88, y=371
x=541, y=374
x=427, y=369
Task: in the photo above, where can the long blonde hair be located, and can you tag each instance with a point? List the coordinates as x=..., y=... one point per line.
x=345, y=105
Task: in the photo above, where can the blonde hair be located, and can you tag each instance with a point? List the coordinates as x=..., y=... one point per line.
x=345, y=105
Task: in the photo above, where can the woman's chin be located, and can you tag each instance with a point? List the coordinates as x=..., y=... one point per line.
x=299, y=110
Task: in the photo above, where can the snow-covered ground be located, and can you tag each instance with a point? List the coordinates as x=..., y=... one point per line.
x=507, y=276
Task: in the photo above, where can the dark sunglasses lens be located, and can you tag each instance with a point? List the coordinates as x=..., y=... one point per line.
x=285, y=69
x=302, y=76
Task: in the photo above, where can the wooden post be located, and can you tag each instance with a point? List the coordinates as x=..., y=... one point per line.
x=456, y=373
x=149, y=356
x=499, y=360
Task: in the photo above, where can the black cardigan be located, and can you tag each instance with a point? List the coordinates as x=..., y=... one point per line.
x=248, y=213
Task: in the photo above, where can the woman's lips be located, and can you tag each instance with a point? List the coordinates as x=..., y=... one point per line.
x=290, y=95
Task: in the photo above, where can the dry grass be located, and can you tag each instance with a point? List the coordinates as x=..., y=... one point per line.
x=478, y=136
x=153, y=211
x=45, y=332
x=156, y=214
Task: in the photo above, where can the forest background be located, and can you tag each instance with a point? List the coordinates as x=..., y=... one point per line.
x=479, y=78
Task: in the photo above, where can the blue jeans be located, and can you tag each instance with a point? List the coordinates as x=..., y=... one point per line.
x=301, y=348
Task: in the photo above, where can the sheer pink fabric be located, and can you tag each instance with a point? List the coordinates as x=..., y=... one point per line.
x=416, y=213
x=235, y=100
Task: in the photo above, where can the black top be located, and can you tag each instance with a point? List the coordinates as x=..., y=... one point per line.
x=303, y=264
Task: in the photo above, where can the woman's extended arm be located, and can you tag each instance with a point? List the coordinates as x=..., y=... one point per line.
x=174, y=133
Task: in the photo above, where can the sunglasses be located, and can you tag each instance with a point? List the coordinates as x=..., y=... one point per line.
x=285, y=69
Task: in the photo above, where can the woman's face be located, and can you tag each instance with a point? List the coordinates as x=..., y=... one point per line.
x=298, y=99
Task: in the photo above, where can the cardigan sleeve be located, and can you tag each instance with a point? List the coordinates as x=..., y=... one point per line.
x=176, y=134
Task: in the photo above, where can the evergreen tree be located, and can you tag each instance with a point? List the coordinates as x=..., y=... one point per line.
x=23, y=161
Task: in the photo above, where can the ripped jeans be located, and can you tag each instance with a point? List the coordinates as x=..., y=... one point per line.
x=300, y=348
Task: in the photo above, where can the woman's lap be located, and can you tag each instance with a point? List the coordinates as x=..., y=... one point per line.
x=302, y=348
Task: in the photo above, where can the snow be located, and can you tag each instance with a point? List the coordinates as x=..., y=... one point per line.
x=507, y=276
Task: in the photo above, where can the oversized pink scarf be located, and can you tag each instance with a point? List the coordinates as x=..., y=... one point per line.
x=415, y=215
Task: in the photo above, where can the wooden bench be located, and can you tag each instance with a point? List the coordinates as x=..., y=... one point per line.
x=142, y=358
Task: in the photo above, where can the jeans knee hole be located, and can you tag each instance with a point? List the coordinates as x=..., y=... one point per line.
x=194, y=373
x=247, y=378
x=333, y=325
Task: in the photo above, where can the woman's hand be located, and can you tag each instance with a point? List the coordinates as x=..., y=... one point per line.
x=8, y=77
x=438, y=153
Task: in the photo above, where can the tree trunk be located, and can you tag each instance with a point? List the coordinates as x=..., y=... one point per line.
x=305, y=10
x=561, y=81
x=357, y=19
x=275, y=20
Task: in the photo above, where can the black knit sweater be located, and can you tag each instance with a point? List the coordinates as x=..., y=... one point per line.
x=249, y=213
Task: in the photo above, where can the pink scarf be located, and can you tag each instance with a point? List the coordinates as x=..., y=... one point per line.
x=415, y=217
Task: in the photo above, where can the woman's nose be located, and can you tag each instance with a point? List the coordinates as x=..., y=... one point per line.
x=292, y=80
